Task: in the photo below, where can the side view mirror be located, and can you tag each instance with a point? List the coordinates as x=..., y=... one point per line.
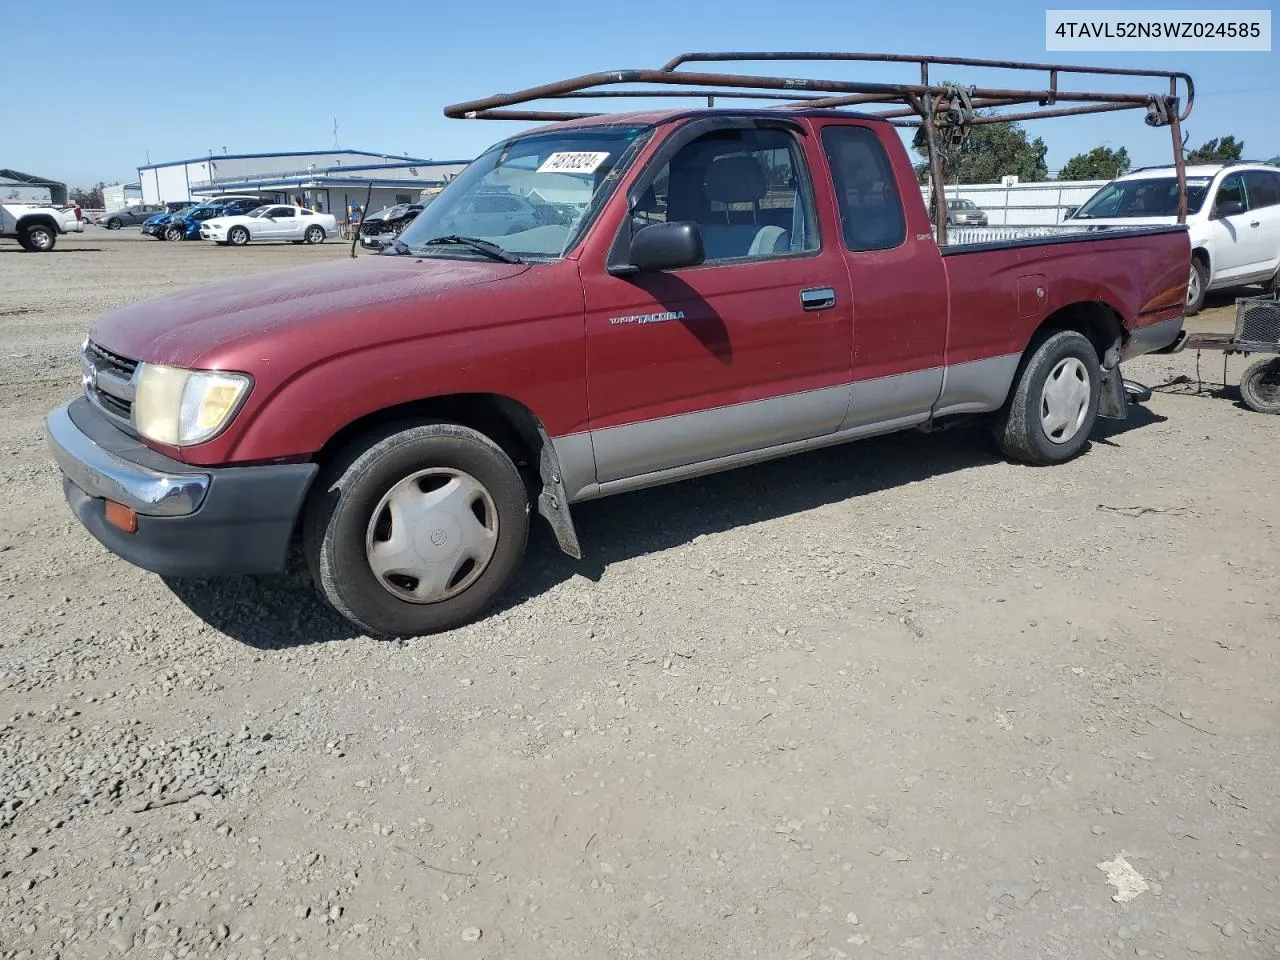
x=1229, y=209
x=1070, y=212
x=667, y=246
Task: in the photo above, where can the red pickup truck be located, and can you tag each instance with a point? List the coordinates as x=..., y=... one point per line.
x=735, y=285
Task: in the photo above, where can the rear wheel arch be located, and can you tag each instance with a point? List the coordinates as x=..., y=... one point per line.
x=38, y=220
x=1098, y=321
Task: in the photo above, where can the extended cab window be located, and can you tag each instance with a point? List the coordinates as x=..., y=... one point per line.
x=870, y=207
x=748, y=191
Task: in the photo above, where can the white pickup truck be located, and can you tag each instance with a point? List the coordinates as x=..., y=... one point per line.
x=36, y=226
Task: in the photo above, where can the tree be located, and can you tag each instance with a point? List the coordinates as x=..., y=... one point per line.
x=1100, y=163
x=91, y=198
x=1217, y=151
x=989, y=152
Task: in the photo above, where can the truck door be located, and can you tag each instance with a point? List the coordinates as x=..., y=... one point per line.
x=897, y=281
x=749, y=349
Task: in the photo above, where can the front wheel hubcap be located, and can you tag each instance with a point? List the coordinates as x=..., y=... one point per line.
x=1064, y=402
x=1193, y=286
x=432, y=535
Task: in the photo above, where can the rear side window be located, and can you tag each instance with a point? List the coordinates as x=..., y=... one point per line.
x=1263, y=187
x=870, y=207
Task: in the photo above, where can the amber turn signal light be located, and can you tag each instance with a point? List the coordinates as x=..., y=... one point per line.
x=118, y=515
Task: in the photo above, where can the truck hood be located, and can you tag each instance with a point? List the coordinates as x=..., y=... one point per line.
x=183, y=328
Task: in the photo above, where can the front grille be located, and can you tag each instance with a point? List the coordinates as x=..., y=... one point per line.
x=1258, y=320
x=108, y=380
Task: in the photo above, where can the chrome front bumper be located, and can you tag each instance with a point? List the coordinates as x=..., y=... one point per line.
x=101, y=473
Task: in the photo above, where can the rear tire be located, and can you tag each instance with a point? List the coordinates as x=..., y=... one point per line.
x=37, y=238
x=351, y=521
x=1054, y=405
x=1260, y=386
x=1197, y=287
x=237, y=236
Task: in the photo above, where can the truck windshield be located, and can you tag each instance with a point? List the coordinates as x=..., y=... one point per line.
x=1150, y=197
x=533, y=196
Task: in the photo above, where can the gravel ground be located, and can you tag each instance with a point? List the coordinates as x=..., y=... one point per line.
x=895, y=699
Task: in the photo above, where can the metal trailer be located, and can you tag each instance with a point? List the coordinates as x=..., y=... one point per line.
x=1257, y=331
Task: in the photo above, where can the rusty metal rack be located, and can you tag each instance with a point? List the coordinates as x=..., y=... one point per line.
x=947, y=112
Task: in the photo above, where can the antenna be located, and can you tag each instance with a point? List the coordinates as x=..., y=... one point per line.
x=336, y=145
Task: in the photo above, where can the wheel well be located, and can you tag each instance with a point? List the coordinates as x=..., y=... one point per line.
x=506, y=422
x=39, y=219
x=1200, y=253
x=1095, y=320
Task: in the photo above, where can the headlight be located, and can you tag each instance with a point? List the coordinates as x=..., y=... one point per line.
x=182, y=407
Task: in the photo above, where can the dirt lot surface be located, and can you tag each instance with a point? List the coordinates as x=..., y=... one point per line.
x=896, y=699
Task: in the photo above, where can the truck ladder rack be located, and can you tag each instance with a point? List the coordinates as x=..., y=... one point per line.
x=946, y=112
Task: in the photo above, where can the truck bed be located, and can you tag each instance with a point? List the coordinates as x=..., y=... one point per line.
x=972, y=239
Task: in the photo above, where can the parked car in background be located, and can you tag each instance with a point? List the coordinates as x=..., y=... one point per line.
x=381, y=228
x=154, y=226
x=270, y=222
x=187, y=226
x=491, y=215
x=130, y=216
x=1233, y=217
x=37, y=226
x=965, y=213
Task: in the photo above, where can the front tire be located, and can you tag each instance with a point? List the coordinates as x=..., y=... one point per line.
x=1197, y=287
x=115, y=223
x=418, y=531
x=174, y=234
x=315, y=235
x=237, y=236
x=1260, y=386
x=1048, y=418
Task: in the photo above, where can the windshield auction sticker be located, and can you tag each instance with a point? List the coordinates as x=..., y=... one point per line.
x=572, y=162
x=1098, y=30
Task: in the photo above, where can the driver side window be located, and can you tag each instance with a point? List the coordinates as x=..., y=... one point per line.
x=1231, y=190
x=747, y=190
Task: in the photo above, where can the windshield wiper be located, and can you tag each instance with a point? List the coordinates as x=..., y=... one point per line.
x=490, y=250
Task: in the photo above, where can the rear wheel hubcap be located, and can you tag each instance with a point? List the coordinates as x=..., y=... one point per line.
x=1064, y=401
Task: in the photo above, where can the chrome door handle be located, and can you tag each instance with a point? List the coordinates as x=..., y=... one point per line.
x=818, y=298
x=1255, y=223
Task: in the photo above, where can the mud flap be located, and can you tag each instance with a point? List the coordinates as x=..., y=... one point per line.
x=553, y=503
x=1113, y=404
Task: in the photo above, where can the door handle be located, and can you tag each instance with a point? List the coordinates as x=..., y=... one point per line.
x=818, y=298
x=1255, y=223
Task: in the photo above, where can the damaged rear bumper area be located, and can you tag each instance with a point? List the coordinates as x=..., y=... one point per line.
x=187, y=521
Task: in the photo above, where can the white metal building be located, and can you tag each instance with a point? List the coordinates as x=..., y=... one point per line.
x=120, y=195
x=328, y=180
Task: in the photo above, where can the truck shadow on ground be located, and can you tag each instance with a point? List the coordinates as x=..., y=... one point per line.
x=285, y=611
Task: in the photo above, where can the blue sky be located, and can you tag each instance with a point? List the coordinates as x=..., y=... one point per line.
x=173, y=80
